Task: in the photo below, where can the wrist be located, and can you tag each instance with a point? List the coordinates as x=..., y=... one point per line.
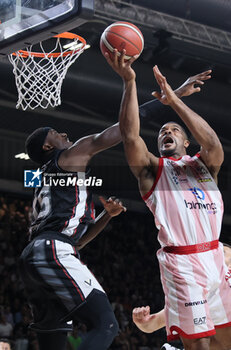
x=174, y=101
x=103, y=216
x=107, y=215
x=129, y=81
x=144, y=327
x=178, y=92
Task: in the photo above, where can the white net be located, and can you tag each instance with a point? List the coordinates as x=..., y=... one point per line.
x=39, y=75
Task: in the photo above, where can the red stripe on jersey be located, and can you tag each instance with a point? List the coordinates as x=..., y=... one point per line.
x=65, y=271
x=65, y=225
x=160, y=167
x=73, y=209
x=86, y=209
x=76, y=199
x=85, y=214
x=92, y=211
x=172, y=158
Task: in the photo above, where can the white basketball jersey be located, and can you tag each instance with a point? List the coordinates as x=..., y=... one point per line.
x=185, y=202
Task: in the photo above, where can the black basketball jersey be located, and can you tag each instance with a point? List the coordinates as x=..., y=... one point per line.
x=62, y=204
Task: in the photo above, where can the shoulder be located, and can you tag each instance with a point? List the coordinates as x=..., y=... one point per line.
x=52, y=161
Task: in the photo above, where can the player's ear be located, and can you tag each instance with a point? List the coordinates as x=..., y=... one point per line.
x=47, y=147
x=186, y=143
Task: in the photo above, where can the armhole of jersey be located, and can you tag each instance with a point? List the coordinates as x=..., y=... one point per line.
x=159, y=171
x=57, y=162
x=198, y=155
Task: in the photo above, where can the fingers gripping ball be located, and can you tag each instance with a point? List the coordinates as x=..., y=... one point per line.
x=122, y=35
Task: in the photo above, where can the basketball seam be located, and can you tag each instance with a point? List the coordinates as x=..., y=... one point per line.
x=129, y=26
x=126, y=40
x=110, y=48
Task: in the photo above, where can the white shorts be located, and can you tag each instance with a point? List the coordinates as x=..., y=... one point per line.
x=197, y=294
x=56, y=281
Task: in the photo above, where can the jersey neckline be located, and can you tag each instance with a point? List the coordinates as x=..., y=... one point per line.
x=196, y=155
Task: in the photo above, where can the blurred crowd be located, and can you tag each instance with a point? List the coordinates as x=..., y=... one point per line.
x=122, y=258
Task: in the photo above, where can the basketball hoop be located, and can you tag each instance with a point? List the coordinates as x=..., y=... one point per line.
x=39, y=75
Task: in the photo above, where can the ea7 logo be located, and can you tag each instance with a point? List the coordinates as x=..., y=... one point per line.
x=199, y=320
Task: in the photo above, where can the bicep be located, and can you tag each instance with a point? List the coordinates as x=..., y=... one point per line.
x=138, y=156
x=82, y=150
x=95, y=143
x=78, y=154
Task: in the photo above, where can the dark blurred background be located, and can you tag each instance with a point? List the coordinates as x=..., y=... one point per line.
x=183, y=38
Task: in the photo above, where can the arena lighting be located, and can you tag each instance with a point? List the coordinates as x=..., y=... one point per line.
x=22, y=156
x=181, y=29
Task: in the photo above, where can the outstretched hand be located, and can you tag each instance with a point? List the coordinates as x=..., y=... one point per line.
x=166, y=94
x=112, y=205
x=188, y=87
x=120, y=65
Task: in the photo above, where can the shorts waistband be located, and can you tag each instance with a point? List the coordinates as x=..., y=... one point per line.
x=52, y=235
x=192, y=249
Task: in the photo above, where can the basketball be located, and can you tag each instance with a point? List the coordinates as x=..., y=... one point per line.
x=122, y=35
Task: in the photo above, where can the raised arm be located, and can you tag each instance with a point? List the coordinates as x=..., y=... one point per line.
x=140, y=160
x=82, y=150
x=211, y=149
x=192, y=85
x=78, y=155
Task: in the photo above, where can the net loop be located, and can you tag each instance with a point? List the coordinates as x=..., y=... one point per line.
x=39, y=74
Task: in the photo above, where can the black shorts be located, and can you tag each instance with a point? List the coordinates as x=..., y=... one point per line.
x=56, y=282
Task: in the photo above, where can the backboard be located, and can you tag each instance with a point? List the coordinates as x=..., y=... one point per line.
x=25, y=22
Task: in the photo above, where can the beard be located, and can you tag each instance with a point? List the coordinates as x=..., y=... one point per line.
x=167, y=152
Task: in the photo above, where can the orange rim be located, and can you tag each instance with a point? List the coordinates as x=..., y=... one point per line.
x=65, y=35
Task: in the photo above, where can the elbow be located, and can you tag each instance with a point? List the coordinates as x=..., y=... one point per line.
x=218, y=148
x=213, y=155
x=216, y=143
x=213, y=144
x=79, y=246
x=222, y=154
x=128, y=137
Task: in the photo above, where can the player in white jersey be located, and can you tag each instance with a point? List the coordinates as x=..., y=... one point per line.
x=59, y=287
x=150, y=323
x=181, y=193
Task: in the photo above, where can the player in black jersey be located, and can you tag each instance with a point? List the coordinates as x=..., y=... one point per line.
x=60, y=288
